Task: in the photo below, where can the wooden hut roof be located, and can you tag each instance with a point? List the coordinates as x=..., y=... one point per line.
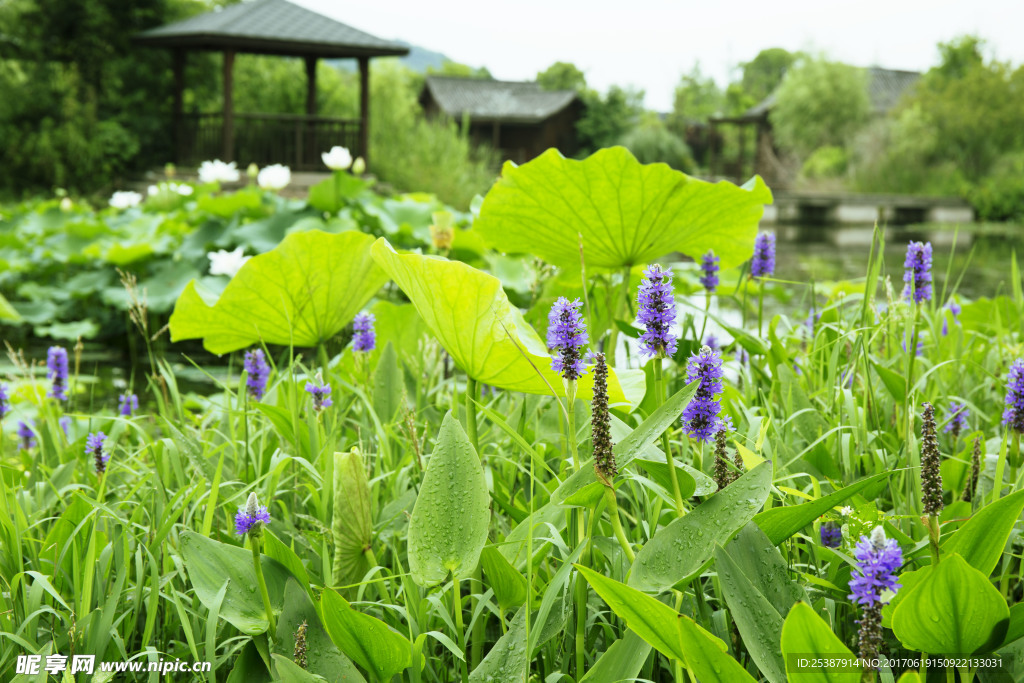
x=275, y=27
x=486, y=100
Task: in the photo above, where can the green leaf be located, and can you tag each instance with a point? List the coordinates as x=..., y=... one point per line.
x=469, y=313
x=674, y=635
x=86, y=329
x=302, y=293
x=209, y=562
x=627, y=213
x=954, y=610
x=331, y=194
x=980, y=541
x=370, y=642
x=277, y=550
x=7, y=311
x=622, y=661
x=506, y=660
x=893, y=381
x=448, y=528
x=805, y=634
x=287, y=671
x=692, y=482
x=508, y=584
x=678, y=551
x=756, y=556
x=1015, y=631
x=388, y=387
x=352, y=523
x=781, y=523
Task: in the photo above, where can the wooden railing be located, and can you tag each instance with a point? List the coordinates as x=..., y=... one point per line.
x=290, y=139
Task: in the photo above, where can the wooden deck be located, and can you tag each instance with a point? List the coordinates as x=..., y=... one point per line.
x=835, y=208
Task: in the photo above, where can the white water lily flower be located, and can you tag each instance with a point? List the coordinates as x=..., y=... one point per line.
x=125, y=200
x=274, y=177
x=181, y=188
x=227, y=262
x=338, y=159
x=217, y=171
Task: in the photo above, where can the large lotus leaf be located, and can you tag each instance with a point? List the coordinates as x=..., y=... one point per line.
x=303, y=292
x=627, y=213
x=469, y=313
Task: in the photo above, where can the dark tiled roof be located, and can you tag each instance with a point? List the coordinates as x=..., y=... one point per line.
x=490, y=100
x=270, y=27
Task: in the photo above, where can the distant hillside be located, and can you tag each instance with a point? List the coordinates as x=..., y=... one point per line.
x=419, y=59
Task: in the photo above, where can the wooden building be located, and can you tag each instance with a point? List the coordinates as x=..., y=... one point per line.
x=518, y=119
x=268, y=27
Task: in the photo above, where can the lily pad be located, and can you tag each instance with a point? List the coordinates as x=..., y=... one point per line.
x=469, y=313
x=302, y=293
x=625, y=212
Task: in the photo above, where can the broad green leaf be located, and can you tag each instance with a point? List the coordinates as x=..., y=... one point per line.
x=249, y=666
x=388, y=386
x=514, y=547
x=508, y=584
x=893, y=381
x=448, y=528
x=332, y=193
x=1015, y=631
x=7, y=311
x=322, y=656
x=805, y=634
x=86, y=329
x=353, y=520
x=506, y=661
x=756, y=556
x=779, y=524
x=678, y=551
x=469, y=313
x=275, y=549
x=626, y=213
x=622, y=661
x=370, y=642
x=674, y=635
x=287, y=671
x=692, y=482
x=625, y=451
x=954, y=610
x=209, y=562
x=980, y=541
x=302, y=293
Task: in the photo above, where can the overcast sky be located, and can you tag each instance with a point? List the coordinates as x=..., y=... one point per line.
x=650, y=43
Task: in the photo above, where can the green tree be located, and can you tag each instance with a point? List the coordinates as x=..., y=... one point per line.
x=697, y=98
x=763, y=74
x=608, y=118
x=820, y=103
x=562, y=76
x=450, y=68
x=651, y=141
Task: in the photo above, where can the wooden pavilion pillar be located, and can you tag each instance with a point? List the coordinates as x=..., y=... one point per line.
x=177, y=109
x=712, y=149
x=364, y=109
x=228, y=132
x=311, y=86
x=306, y=151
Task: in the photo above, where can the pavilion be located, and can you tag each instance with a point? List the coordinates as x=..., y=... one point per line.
x=268, y=27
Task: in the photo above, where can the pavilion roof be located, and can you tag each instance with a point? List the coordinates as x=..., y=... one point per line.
x=275, y=27
x=484, y=99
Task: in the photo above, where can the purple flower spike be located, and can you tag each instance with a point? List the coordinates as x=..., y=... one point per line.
x=709, y=264
x=567, y=335
x=920, y=345
x=257, y=372
x=878, y=558
x=657, y=312
x=1013, y=417
x=5, y=405
x=918, y=275
x=94, y=444
x=250, y=518
x=701, y=418
x=321, y=394
x=365, y=338
x=763, y=262
x=57, y=372
x=958, y=418
x=65, y=424
x=712, y=343
x=127, y=404
x=26, y=434
x=831, y=535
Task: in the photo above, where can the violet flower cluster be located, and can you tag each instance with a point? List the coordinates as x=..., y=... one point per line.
x=5, y=405
x=57, y=372
x=878, y=558
x=831, y=535
x=256, y=373
x=26, y=434
x=701, y=417
x=365, y=339
x=958, y=418
x=918, y=274
x=251, y=516
x=763, y=262
x=127, y=404
x=94, y=444
x=709, y=266
x=567, y=335
x=954, y=309
x=1013, y=416
x=657, y=312
x=320, y=392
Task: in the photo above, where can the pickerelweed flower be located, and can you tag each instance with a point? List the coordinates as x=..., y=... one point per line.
x=256, y=373
x=709, y=265
x=954, y=309
x=872, y=584
x=657, y=312
x=567, y=335
x=5, y=404
x=600, y=423
x=763, y=262
x=918, y=275
x=365, y=339
x=337, y=159
x=931, y=477
x=127, y=404
x=57, y=372
x=1013, y=416
x=26, y=434
x=320, y=392
x=972, y=480
x=251, y=517
x=65, y=425
x=94, y=444
x=958, y=418
x=712, y=343
x=831, y=535
x=274, y=177
x=701, y=419
x=920, y=345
